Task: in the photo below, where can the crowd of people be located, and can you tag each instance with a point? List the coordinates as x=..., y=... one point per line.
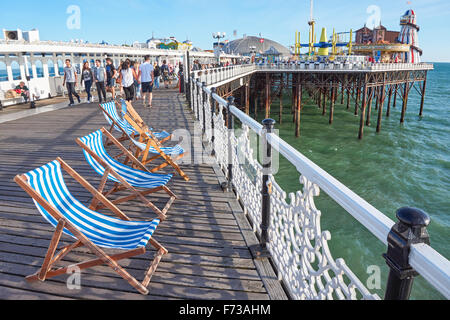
x=134, y=80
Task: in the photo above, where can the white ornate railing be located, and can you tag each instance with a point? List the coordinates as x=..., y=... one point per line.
x=297, y=244
x=216, y=75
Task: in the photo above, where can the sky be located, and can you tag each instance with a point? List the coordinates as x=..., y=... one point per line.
x=127, y=21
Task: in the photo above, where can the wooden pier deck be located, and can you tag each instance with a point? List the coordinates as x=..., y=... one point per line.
x=207, y=234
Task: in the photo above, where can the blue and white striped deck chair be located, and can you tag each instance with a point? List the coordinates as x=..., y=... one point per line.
x=123, y=176
x=150, y=149
x=109, y=110
x=117, y=123
x=89, y=228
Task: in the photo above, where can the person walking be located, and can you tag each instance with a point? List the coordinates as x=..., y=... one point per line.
x=147, y=76
x=181, y=77
x=157, y=73
x=111, y=76
x=100, y=77
x=137, y=82
x=87, y=76
x=165, y=74
x=71, y=78
x=126, y=78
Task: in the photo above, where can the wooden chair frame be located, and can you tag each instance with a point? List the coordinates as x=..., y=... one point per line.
x=133, y=114
x=46, y=271
x=124, y=136
x=150, y=140
x=124, y=185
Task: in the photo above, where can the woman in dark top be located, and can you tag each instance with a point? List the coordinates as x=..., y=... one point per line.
x=157, y=73
x=88, y=77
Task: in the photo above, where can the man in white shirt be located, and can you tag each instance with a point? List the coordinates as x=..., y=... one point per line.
x=71, y=78
x=147, y=77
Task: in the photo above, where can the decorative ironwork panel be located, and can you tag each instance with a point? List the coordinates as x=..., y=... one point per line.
x=221, y=139
x=247, y=177
x=299, y=249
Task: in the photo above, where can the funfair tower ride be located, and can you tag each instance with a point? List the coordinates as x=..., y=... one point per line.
x=408, y=35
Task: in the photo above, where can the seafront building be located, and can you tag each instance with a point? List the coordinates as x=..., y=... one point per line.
x=23, y=55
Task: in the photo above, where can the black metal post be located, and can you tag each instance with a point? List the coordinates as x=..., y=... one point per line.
x=205, y=96
x=267, y=171
x=188, y=73
x=411, y=229
x=213, y=111
x=198, y=98
x=230, y=122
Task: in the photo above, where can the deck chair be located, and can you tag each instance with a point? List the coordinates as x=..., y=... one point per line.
x=91, y=229
x=148, y=149
x=127, y=108
x=118, y=124
x=123, y=176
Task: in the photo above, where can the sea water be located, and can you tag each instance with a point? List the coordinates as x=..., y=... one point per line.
x=404, y=165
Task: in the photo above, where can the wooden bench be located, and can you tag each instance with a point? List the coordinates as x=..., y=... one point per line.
x=3, y=99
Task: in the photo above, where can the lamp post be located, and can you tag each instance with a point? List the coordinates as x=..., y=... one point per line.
x=252, y=52
x=218, y=36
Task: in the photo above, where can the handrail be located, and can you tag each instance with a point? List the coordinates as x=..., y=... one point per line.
x=110, y=46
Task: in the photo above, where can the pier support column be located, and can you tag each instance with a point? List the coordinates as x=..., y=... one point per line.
x=377, y=98
x=422, y=100
x=380, y=105
x=358, y=96
x=394, y=104
x=363, y=109
x=324, y=102
x=281, y=98
x=388, y=111
x=369, y=107
x=348, y=98
x=256, y=105
x=333, y=96
x=299, y=110
x=296, y=97
x=405, y=102
x=319, y=98
x=281, y=107
x=247, y=99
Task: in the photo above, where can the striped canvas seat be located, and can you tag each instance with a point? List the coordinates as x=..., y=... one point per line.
x=171, y=151
x=159, y=135
x=101, y=230
x=136, y=178
x=110, y=107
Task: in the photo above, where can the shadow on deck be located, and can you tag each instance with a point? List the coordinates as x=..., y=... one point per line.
x=206, y=233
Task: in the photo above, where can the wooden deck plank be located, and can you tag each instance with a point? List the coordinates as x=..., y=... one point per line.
x=208, y=258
